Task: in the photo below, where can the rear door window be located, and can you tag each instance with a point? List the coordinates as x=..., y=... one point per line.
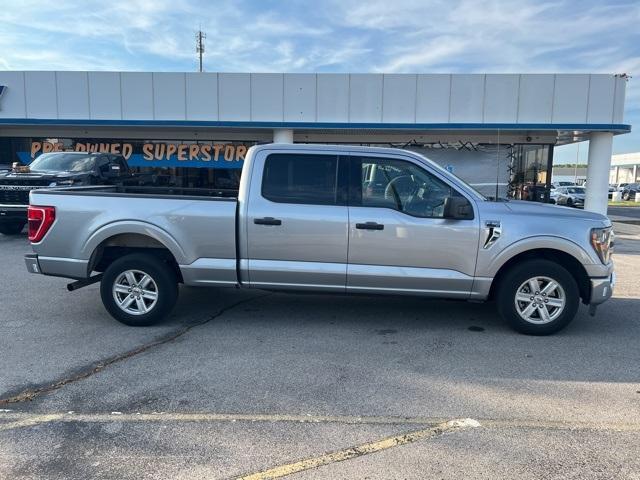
x=301, y=178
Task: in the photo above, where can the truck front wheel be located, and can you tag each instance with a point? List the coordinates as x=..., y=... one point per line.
x=538, y=297
x=139, y=289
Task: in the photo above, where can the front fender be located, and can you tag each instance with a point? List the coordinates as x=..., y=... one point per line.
x=495, y=262
x=133, y=226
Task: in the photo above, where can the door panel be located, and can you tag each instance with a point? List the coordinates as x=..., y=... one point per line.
x=414, y=252
x=311, y=239
x=297, y=244
x=421, y=255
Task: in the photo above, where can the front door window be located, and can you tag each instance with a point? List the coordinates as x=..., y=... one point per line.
x=401, y=186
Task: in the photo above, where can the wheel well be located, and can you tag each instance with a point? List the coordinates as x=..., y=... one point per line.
x=573, y=266
x=123, y=244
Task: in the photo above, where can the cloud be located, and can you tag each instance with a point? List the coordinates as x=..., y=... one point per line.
x=328, y=36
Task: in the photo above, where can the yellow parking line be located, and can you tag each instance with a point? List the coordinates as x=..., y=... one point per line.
x=228, y=417
x=18, y=419
x=30, y=421
x=358, y=451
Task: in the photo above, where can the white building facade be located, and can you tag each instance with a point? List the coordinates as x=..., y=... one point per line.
x=625, y=168
x=195, y=127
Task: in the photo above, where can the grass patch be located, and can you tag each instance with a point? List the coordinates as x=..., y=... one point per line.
x=629, y=203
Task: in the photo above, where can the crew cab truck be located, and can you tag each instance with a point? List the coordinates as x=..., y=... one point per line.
x=56, y=169
x=337, y=219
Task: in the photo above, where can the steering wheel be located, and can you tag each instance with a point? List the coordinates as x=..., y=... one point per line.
x=400, y=187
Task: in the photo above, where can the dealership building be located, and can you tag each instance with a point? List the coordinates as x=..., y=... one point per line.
x=625, y=168
x=496, y=131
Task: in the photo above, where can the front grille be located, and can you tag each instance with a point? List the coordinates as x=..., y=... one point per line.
x=35, y=182
x=14, y=197
x=14, y=189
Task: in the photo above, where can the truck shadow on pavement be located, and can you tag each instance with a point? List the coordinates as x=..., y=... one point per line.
x=389, y=312
x=397, y=327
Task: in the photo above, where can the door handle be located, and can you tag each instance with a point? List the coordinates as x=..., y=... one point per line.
x=369, y=226
x=267, y=221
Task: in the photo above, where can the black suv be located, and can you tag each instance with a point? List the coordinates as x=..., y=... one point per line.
x=57, y=169
x=629, y=192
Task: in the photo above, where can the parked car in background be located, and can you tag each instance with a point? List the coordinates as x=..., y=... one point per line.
x=562, y=184
x=571, y=196
x=534, y=193
x=630, y=190
x=54, y=170
x=339, y=219
x=621, y=186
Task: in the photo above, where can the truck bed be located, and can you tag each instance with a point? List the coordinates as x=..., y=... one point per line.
x=198, y=226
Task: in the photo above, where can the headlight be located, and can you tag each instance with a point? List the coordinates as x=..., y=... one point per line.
x=602, y=243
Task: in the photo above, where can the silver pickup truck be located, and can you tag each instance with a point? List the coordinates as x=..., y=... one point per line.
x=337, y=219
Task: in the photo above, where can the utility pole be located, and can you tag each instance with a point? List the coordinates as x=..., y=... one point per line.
x=200, y=36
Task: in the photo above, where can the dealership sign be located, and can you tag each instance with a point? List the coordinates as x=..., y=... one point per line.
x=156, y=154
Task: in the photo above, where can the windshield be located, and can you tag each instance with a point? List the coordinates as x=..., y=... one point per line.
x=63, y=162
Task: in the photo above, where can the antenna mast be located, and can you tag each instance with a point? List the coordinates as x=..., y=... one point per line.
x=200, y=36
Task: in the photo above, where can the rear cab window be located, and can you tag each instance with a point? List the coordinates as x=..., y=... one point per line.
x=301, y=178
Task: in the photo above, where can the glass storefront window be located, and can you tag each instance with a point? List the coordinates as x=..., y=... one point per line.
x=180, y=163
x=513, y=171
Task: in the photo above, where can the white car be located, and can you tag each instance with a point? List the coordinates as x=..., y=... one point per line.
x=571, y=196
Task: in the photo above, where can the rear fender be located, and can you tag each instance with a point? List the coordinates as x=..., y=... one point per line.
x=142, y=228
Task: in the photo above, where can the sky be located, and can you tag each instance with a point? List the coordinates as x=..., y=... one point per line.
x=408, y=36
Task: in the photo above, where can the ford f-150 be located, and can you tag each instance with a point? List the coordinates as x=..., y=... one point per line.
x=337, y=219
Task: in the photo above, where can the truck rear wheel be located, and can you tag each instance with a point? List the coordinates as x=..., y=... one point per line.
x=13, y=227
x=538, y=297
x=139, y=290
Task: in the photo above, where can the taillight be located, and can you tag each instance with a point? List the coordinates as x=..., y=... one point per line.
x=40, y=221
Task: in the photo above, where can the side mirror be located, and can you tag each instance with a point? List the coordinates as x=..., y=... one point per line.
x=457, y=208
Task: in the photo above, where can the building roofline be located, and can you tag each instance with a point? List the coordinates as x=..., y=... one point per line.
x=579, y=127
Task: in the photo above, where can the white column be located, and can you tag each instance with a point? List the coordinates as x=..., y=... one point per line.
x=599, y=165
x=283, y=135
x=635, y=174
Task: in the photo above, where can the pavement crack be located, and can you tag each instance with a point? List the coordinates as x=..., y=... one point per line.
x=29, y=394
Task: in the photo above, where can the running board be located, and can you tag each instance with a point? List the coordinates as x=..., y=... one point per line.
x=84, y=282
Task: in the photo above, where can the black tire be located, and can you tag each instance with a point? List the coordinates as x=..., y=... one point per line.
x=517, y=276
x=12, y=228
x=569, y=202
x=166, y=289
x=626, y=196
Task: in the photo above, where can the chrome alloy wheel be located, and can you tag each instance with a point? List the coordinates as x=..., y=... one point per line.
x=540, y=300
x=135, y=292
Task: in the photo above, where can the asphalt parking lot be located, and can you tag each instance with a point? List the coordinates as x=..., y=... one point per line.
x=238, y=383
